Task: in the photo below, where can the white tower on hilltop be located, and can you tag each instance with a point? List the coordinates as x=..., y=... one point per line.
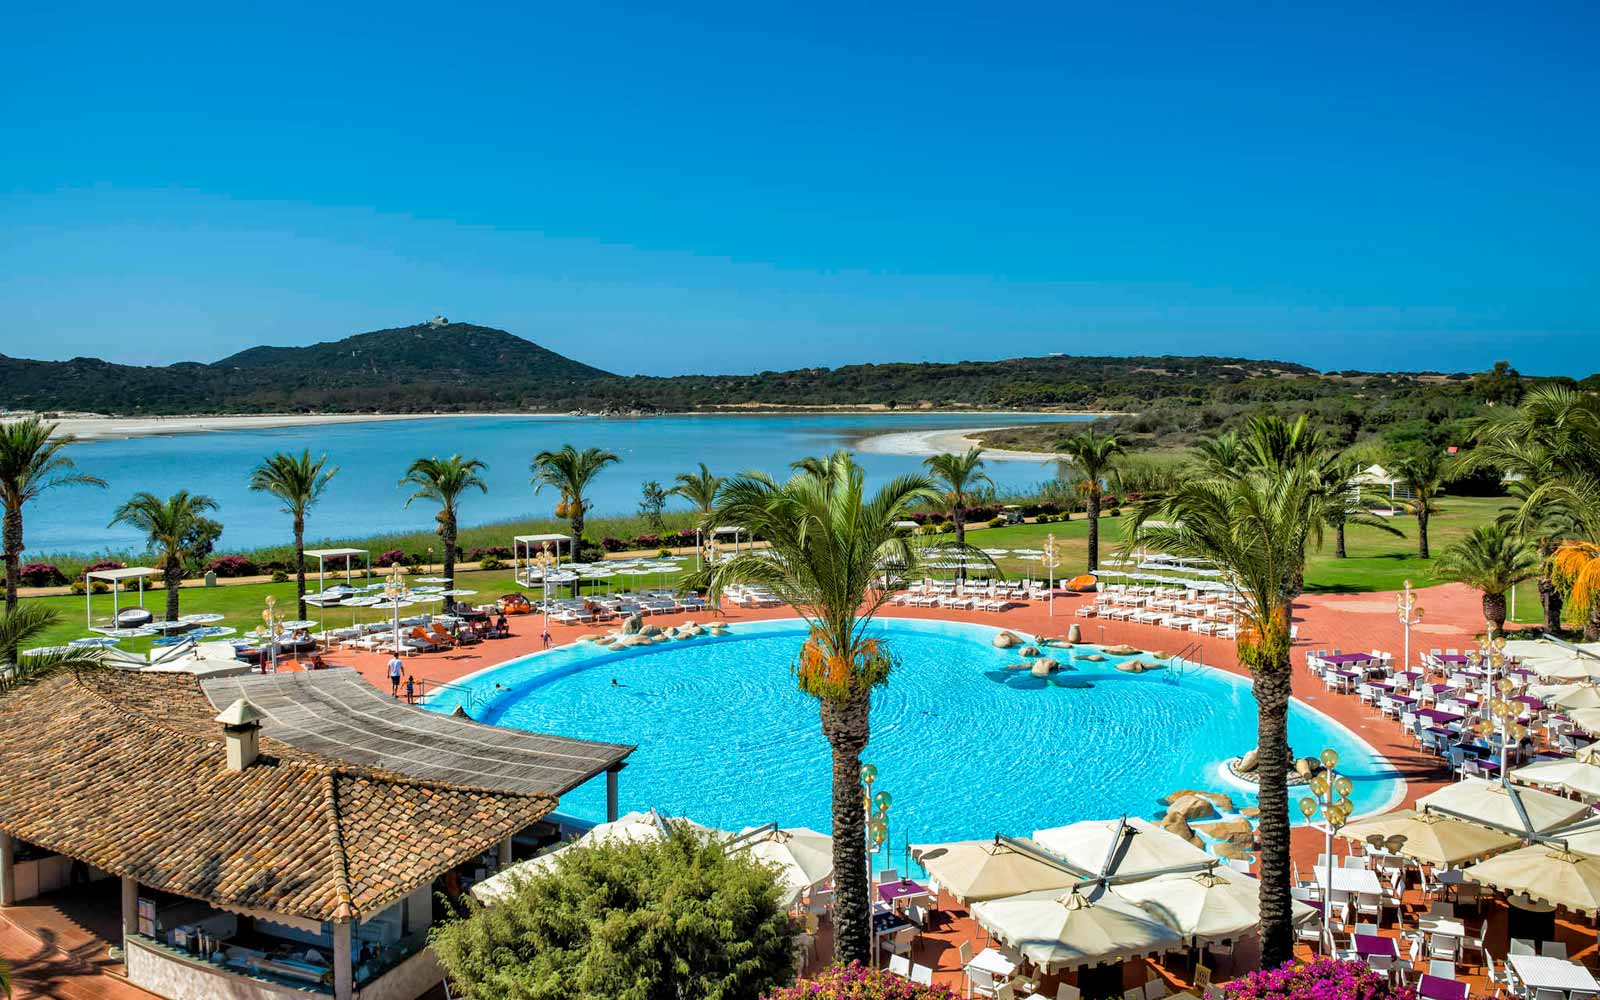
x=438, y=321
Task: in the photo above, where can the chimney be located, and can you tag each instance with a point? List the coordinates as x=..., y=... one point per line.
x=241, y=727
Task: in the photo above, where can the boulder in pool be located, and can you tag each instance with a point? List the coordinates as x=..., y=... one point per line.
x=1005, y=640
x=1231, y=851
x=650, y=630
x=633, y=640
x=1120, y=650
x=1222, y=800
x=1092, y=658
x=1247, y=763
x=1191, y=807
x=1180, y=826
x=632, y=624
x=1028, y=651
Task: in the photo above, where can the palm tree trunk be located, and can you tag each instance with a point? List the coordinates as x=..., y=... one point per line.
x=1550, y=600
x=172, y=579
x=300, y=563
x=959, y=518
x=1422, y=534
x=1272, y=684
x=1591, y=628
x=575, y=522
x=1094, y=530
x=847, y=728
x=1338, y=541
x=447, y=534
x=1494, y=613
x=13, y=547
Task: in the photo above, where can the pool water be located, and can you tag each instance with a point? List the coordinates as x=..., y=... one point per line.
x=966, y=748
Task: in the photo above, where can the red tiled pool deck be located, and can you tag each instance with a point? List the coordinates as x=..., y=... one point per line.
x=1349, y=622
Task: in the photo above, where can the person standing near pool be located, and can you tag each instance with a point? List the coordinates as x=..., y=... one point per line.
x=396, y=669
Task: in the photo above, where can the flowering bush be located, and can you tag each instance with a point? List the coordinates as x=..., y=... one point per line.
x=1323, y=979
x=483, y=552
x=975, y=514
x=41, y=574
x=685, y=536
x=390, y=557
x=647, y=541
x=612, y=544
x=853, y=982
x=233, y=566
x=104, y=564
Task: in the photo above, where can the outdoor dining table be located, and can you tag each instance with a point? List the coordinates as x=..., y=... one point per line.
x=1351, y=880
x=1455, y=659
x=1541, y=973
x=1347, y=659
x=1435, y=988
x=1448, y=926
x=993, y=961
x=1440, y=716
x=1376, y=946
x=902, y=891
x=1404, y=699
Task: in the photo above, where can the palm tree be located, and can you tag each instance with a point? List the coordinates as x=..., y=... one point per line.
x=299, y=482
x=167, y=525
x=444, y=481
x=33, y=460
x=829, y=545
x=1342, y=477
x=699, y=489
x=1257, y=526
x=1218, y=455
x=1492, y=560
x=570, y=471
x=26, y=625
x=959, y=475
x=1094, y=455
x=1423, y=472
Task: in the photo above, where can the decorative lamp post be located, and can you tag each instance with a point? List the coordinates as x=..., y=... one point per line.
x=546, y=564
x=876, y=807
x=1051, y=560
x=1330, y=793
x=269, y=620
x=1410, y=613
x=1498, y=713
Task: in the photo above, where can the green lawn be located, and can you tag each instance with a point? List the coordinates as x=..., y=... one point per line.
x=1377, y=562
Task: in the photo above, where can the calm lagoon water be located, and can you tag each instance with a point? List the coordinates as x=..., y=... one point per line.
x=967, y=748
x=365, y=500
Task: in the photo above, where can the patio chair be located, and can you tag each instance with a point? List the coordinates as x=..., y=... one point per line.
x=922, y=974
x=1441, y=969
x=964, y=954
x=1553, y=949
x=981, y=984
x=1134, y=994
x=900, y=943
x=900, y=965
x=1155, y=989
x=1067, y=991
x=1545, y=993
x=1521, y=946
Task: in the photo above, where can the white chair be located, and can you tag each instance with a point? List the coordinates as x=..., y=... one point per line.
x=1553, y=949
x=922, y=974
x=1067, y=991
x=1521, y=946
x=980, y=983
x=1441, y=970
x=900, y=965
x=1155, y=989
x=1543, y=993
x=900, y=943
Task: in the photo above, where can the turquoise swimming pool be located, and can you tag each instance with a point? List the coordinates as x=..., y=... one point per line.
x=966, y=748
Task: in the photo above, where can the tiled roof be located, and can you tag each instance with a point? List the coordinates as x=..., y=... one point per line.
x=128, y=772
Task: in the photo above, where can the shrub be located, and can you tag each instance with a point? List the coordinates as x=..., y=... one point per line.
x=103, y=565
x=854, y=982
x=681, y=917
x=1322, y=979
x=279, y=576
x=997, y=522
x=611, y=543
x=647, y=541
x=685, y=536
x=1049, y=508
x=41, y=574
x=980, y=513
x=229, y=566
x=491, y=562
x=663, y=552
x=99, y=587
x=483, y=552
x=390, y=557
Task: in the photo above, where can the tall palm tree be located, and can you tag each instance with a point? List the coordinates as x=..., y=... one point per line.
x=1218, y=455
x=444, y=481
x=1342, y=477
x=299, y=483
x=570, y=471
x=1094, y=455
x=1257, y=526
x=26, y=625
x=959, y=475
x=829, y=545
x=33, y=460
x=167, y=525
x=1424, y=473
x=1491, y=560
x=699, y=488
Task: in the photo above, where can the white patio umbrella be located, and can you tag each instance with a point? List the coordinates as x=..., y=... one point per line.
x=202, y=618
x=1549, y=872
x=1429, y=837
x=1059, y=929
x=434, y=579
x=1490, y=803
x=1569, y=668
x=975, y=870
x=95, y=640
x=633, y=571
x=1586, y=719
x=1216, y=905
x=1141, y=847
x=1579, y=774
x=1581, y=696
x=802, y=856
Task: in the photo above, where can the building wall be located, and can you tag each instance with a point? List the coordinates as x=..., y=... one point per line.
x=406, y=981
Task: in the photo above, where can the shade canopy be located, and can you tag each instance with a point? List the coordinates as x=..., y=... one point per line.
x=1549, y=872
x=1491, y=803
x=1058, y=930
x=1121, y=849
x=802, y=856
x=975, y=870
x=1580, y=774
x=1568, y=668
x=1216, y=905
x=1429, y=837
x=1586, y=719
x=1580, y=696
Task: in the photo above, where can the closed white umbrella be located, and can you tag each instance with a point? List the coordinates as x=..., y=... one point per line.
x=1058, y=930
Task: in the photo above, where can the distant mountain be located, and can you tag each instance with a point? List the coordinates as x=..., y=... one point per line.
x=459, y=367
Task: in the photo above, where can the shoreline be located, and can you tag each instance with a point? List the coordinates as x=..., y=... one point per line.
x=937, y=442
x=99, y=427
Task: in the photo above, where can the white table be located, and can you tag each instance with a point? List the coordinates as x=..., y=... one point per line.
x=1539, y=972
x=1350, y=880
x=1444, y=925
x=994, y=962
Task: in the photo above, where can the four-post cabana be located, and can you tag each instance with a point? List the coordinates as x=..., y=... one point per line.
x=525, y=550
x=116, y=578
x=322, y=556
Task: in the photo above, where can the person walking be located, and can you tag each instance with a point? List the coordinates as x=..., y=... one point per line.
x=411, y=690
x=396, y=669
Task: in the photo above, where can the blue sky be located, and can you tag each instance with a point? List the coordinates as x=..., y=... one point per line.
x=731, y=188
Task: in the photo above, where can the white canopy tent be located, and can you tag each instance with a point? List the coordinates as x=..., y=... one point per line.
x=115, y=577
x=1375, y=478
x=348, y=555
x=525, y=549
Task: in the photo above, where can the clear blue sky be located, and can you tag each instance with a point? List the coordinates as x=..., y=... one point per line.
x=739, y=187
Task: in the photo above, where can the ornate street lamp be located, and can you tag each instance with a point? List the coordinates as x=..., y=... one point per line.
x=1410, y=613
x=269, y=620
x=1052, y=559
x=1330, y=794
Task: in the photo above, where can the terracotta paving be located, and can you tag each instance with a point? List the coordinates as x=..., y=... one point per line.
x=1352, y=622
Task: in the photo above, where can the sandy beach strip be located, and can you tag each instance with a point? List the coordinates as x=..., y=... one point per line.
x=101, y=428
x=955, y=440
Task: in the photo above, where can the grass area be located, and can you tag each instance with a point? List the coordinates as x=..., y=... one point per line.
x=1377, y=562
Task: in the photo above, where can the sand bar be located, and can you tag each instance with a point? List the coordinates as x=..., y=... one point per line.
x=955, y=439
